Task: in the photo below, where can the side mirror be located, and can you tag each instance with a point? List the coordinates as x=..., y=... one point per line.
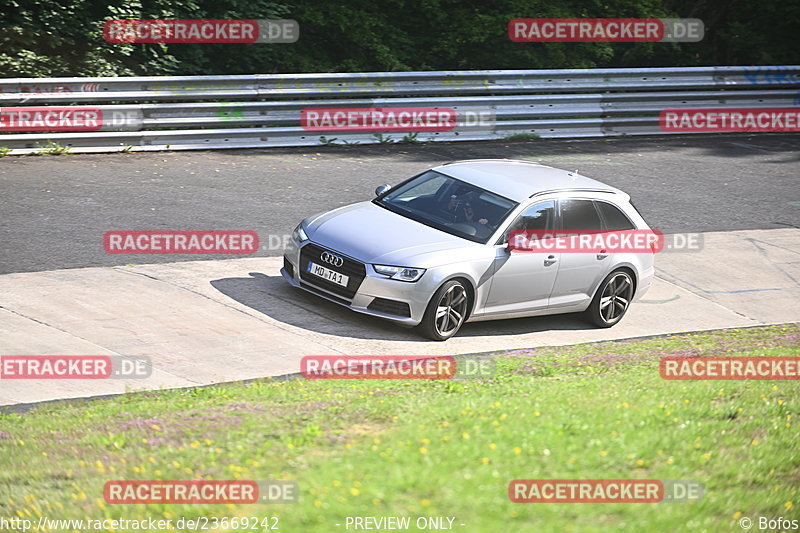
x=380, y=189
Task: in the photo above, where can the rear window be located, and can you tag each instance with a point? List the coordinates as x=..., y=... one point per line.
x=614, y=218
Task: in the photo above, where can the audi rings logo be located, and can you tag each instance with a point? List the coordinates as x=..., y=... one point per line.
x=332, y=259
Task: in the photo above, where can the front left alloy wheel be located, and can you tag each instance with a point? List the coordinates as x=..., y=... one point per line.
x=446, y=311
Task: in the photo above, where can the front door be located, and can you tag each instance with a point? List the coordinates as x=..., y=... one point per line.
x=523, y=280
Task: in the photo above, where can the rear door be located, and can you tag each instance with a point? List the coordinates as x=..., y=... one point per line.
x=578, y=272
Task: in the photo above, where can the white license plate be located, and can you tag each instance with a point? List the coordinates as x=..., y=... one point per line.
x=327, y=273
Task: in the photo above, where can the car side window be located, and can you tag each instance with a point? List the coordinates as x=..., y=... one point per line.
x=539, y=216
x=579, y=215
x=614, y=218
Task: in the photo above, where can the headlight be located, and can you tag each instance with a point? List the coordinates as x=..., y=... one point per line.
x=298, y=234
x=400, y=273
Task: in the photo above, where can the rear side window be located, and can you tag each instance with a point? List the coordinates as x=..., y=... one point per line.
x=579, y=215
x=614, y=218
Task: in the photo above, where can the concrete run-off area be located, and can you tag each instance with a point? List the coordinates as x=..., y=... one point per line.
x=205, y=322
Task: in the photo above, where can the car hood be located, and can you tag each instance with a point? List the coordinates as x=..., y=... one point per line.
x=372, y=234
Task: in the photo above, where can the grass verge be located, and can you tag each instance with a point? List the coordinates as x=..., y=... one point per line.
x=437, y=448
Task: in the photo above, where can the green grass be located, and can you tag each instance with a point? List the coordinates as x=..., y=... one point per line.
x=438, y=448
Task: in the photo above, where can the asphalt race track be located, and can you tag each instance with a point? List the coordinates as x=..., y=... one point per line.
x=56, y=209
x=204, y=320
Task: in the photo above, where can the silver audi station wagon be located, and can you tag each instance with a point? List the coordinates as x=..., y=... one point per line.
x=433, y=251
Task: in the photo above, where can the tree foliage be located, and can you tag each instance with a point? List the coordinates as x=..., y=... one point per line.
x=55, y=38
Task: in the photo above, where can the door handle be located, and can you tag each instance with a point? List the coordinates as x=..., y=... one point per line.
x=550, y=260
x=603, y=254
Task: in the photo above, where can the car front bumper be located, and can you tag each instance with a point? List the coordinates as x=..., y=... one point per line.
x=401, y=302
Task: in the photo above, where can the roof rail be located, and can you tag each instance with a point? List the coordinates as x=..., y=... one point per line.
x=573, y=189
x=491, y=159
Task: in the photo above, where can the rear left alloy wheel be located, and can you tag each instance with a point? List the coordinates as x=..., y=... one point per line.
x=446, y=311
x=612, y=300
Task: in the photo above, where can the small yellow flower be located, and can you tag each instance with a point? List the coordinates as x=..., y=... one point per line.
x=425, y=503
x=376, y=501
x=670, y=461
x=423, y=451
x=788, y=505
x=737, y=515
x=465, y=435
x=336, y=483
x=603, y=453
x=354, y=491
x=486, y=460
x=317, y=503
x=754, y=443
x=492, y=446
x=537, y=413
x=639, y=462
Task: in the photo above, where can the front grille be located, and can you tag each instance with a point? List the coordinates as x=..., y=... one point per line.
x=355, y=270
x=390, y=307
x=289, y=267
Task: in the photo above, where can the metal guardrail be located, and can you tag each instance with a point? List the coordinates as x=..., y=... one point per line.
x=205, y=112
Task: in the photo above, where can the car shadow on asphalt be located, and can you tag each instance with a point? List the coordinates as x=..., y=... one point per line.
x=274, y=297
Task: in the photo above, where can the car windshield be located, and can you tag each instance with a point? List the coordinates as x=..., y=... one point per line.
x=449, y=205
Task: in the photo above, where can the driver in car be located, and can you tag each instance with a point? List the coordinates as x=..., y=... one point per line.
x=460, y=207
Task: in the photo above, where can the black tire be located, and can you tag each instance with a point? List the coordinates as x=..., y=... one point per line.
x=612, y=300
x=441, y=320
